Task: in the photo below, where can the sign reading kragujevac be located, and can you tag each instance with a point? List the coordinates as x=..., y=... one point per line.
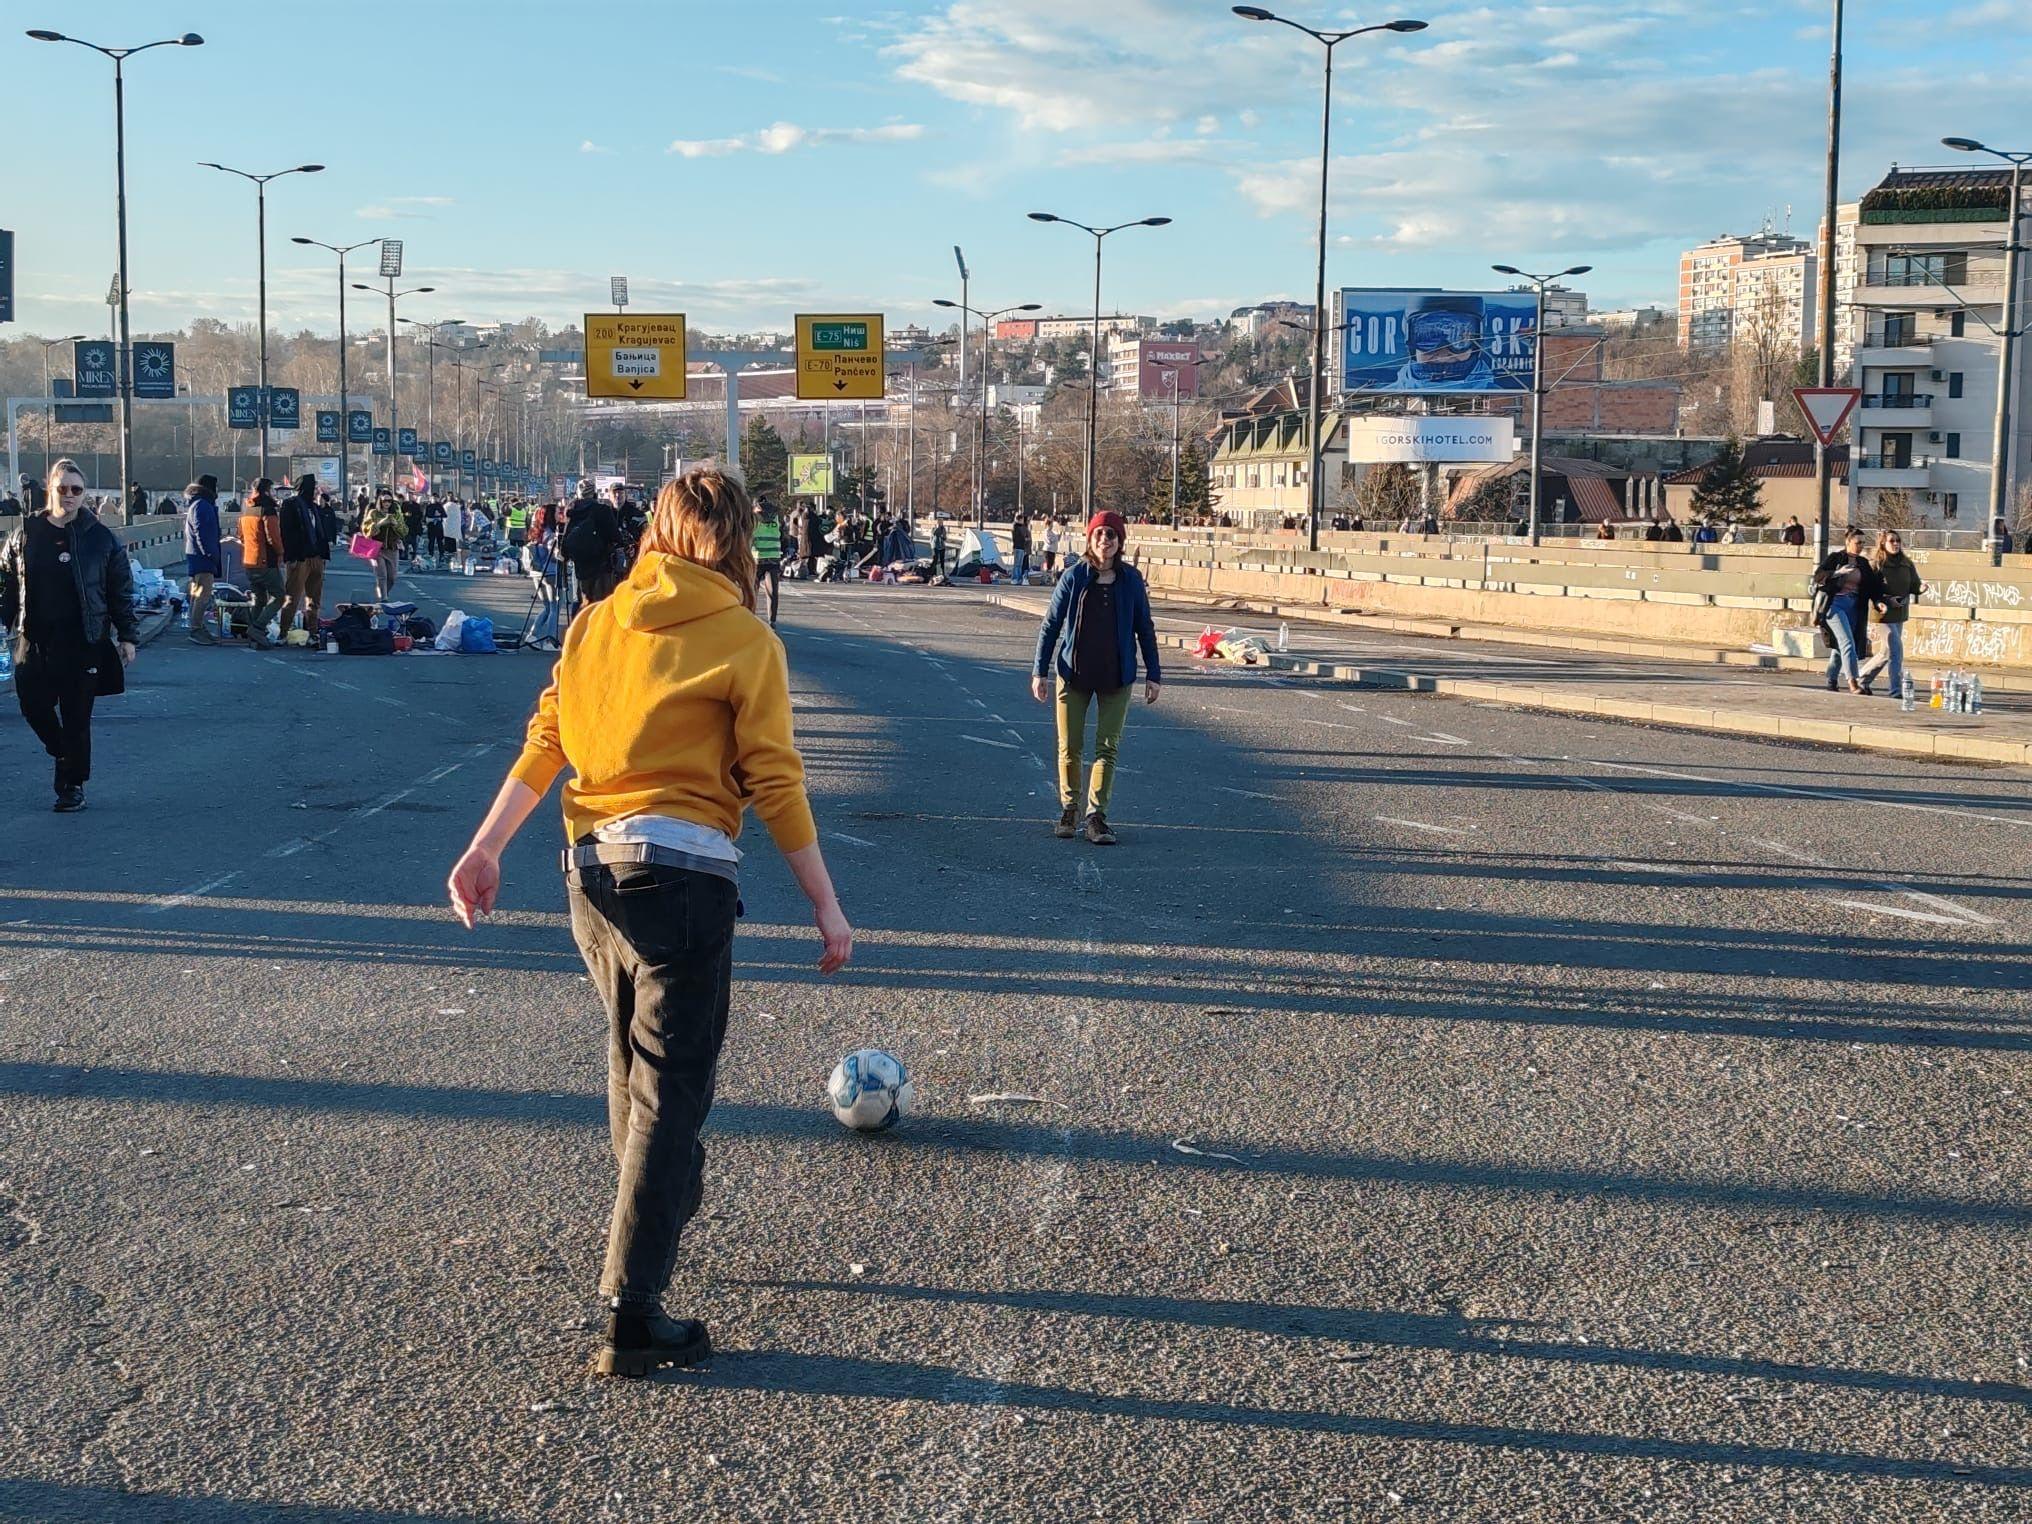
x=1374, y=441
x=1422, y=341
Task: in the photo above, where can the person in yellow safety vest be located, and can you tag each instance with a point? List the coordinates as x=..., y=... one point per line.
x=769, y=553
x=518, y=524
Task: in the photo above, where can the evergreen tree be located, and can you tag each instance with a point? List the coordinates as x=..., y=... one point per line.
x=1728, y=493
x=765, y=459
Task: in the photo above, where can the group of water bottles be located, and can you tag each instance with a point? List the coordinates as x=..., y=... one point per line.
x=1955, y=692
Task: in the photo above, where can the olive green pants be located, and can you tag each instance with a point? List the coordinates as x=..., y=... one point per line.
x=1113, y=710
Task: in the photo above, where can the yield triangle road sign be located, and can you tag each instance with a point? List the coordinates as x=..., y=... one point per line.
x=1826, y=408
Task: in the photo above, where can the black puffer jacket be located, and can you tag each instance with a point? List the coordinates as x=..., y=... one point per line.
x=99, y=563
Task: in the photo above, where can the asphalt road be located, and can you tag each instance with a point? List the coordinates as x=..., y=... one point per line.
x=1445, y=1112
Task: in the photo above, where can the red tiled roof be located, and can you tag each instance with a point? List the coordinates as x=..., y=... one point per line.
x=1772, y=457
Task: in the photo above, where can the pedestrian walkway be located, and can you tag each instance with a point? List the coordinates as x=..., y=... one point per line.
x=1784, y=705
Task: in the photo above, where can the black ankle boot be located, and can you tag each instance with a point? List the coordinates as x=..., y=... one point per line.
x=638, y=1341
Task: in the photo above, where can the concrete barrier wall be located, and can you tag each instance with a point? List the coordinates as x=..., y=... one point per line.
x=1721, y=596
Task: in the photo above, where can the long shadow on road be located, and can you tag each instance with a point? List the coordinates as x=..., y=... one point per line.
x=61, y=1082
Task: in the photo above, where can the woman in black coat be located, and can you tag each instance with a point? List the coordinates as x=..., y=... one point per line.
x=67, y=599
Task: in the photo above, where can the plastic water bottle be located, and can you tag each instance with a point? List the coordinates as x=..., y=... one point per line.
x=1283, y=637
x=1936, y=701
x=1905, y=698
x=1975, y=693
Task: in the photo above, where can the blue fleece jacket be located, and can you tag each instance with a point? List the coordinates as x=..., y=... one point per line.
x=201, y=527
x=1133, y=625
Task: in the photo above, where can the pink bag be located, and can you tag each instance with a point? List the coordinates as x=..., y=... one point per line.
x=365, y=546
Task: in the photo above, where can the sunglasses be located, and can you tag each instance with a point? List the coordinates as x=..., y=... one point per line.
x=70, y=492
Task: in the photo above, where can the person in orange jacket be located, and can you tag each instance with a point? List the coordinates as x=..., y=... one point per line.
x=261, y=557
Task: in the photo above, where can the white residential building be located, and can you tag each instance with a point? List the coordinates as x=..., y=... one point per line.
x=1928, y=301
x=1732, y=285
x=1564, y=306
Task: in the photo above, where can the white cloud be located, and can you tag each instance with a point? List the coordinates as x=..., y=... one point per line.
x=589, y=146
x=1151, y=151
x=400, y=207
x=786, y=137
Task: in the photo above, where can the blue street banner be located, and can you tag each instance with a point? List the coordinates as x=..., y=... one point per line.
x=1419, y=341
x=444, y=452
x=243, y=407
x=285, y=407
x=384, y=442
x=327, y=426
x=92, y=365
x=405, y=442
x=486, y=466
x=155, y=370
x=359, y=426
x=6, y=276
x=469, y=460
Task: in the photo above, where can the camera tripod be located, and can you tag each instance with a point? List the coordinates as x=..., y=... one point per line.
x=543, y=621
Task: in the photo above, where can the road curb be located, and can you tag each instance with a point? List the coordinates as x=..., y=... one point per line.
x=1740, y=722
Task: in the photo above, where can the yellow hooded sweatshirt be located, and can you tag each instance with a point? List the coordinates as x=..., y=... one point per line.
x=671, y=698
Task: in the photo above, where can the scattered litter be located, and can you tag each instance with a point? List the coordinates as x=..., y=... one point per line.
x=247, y=1169
x=857, y=1268
x=1180, y=1145
x=452, y=1010
x=1656, y=985
x=1012, y=1098
x=148, y=1151
x=548, y=1405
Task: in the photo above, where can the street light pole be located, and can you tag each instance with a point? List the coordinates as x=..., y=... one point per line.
x=2007, y=337
x=980, y=471
x=123, y=369
x=261, y=267
x=394, y=430
x=1823, y=476
x=1094, y=363
x=1538, y=284
x=345, y=404
x=1329, y=40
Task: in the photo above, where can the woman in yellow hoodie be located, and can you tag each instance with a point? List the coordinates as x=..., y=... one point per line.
x=671, y=707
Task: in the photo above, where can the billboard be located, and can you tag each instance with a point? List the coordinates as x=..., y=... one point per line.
x=1158, y=360
x=92, y=366
x=1375, y=440
x=810, y=476
x=1419, y=341
x=154, y=370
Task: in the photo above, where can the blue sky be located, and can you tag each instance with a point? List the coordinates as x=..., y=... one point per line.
x=741, y=160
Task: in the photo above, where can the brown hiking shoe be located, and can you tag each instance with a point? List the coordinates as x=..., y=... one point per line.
x=1068, y=824
x=1097, y=830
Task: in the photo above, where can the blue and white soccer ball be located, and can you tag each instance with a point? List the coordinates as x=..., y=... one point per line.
x=870, y=1090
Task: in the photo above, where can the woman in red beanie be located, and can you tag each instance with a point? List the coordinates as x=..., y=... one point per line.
x=1099, y=618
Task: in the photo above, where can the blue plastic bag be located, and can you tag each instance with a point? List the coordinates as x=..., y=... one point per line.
x=476, y=637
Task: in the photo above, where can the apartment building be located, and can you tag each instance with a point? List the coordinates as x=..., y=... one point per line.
x=1564, y=306
x=1736, y=286
x=1049, y=329
x=1266, y=319
x=1928, y=301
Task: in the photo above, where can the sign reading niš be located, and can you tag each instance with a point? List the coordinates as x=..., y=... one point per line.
x=641, y=356
x=839, y=354
x=92, y=363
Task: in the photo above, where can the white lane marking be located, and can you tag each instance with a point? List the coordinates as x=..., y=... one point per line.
x=1941, y=901
x=1354, y=708
x=392, y=703
x=859, y=841
x=1391, y=719
x=1785, y=851
x=984, y=741
x=1811, y=793
x=1904, y=915
x=975, y=702
x=381, y=804
x=185, y=896
x=444, y=772
x=1245, y=793
x=1420, y=825
x=349, y=687
x=1450, y=740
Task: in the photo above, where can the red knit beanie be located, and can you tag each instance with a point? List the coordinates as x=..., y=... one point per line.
x=1108, y=519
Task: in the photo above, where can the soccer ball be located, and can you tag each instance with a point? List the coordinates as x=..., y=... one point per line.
x=870, y=1090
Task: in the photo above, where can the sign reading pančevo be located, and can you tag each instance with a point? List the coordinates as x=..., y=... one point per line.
x=810, y=476
x=638, y=356
x=839, y=354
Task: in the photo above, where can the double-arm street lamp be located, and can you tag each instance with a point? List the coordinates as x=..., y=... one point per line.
x=2007, y=337
x=124, y=365
x=1094, y=365
x=393, y=407
x=261, y=266
x=1538, y=284
x=431, y=347
x=345, y=402
x=981, y=437
x=1330, y=41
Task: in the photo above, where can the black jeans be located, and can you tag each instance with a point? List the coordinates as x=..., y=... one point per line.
x=769, y=574
x=56, y=690
x=659, y=945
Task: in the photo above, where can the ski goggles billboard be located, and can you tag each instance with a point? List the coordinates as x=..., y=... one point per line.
x=1423, y=341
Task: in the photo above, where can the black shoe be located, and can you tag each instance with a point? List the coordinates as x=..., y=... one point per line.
x=639, y=1342
x=1068, y=824
x=1833, y=686
x=70, y=800
x=1097, y=830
